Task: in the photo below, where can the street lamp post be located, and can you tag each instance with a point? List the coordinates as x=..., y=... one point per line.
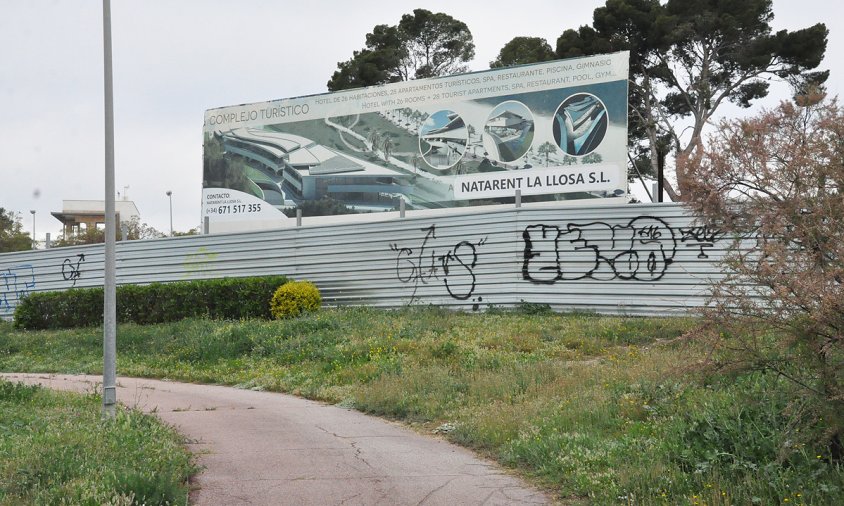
x=110, y=265
x=170, y=196
x=34, y=241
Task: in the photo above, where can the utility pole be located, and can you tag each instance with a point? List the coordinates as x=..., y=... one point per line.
x=34, y=240
x=170, y=196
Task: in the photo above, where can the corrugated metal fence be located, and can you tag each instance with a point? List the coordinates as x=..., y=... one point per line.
x=633, y=259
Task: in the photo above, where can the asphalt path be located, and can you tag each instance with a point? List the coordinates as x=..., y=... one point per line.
x=267, y=448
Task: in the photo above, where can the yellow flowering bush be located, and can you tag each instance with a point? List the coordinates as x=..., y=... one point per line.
x=293, y=298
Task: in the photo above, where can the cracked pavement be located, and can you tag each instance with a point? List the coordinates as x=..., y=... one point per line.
x=264, y=448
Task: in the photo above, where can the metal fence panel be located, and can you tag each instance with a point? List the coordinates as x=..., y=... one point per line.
x=632, y=259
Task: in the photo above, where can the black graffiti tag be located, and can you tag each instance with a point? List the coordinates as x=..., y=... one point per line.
x=641, y=250
x=454, y=268
x=541, y=256
x=71, y=272
x=466, y=257
x=410, y=269
x=700, y=237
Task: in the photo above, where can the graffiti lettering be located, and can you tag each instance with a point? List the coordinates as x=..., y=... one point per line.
x=466, y=259
x=455, y=268
x=71, y=272
x=641, y=250
x=199, y=262
x=15, y=281
x=700, y=237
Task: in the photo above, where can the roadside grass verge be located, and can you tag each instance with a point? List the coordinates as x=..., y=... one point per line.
x=598, y=409
x=55, y=448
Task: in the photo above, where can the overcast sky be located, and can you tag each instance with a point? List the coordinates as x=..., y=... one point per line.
x=173, y=59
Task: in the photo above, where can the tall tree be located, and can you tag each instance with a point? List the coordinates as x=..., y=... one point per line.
x=687, y=57
x=12, y=236
x=137, y=230
x=690, y=56
x=377, y=63
x=521, y=50
x=423, y=44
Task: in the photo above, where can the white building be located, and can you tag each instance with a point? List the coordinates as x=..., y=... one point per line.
x=77, y=216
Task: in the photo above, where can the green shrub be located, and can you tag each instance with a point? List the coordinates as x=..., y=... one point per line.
x=16, y=392
x=227, y=298
x=294, y=298
x=534, y=308
x=53, y=310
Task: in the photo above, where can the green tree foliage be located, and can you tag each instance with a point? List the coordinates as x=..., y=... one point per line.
x=423, y=44
x=90, y=235
x=774, y=183
x=523, y=50
x=377, y=63
x=12, y=236
x=135, y=230
x=687, y=57
x=193, y=231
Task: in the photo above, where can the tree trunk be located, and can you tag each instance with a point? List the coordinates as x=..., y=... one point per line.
x=693, y=150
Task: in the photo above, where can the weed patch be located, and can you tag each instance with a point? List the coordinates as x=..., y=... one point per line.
x=56, y=449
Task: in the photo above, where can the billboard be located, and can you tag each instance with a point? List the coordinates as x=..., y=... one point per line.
x=553, y=131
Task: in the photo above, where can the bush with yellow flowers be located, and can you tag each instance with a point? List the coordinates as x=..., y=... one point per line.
x=294, y=298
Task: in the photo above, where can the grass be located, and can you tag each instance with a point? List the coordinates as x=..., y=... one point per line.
x=597, y=409
x=57, y=449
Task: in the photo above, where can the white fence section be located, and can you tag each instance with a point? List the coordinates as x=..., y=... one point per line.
x=631, y=259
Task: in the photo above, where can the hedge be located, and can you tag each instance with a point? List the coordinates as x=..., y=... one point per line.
x=227, y=298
